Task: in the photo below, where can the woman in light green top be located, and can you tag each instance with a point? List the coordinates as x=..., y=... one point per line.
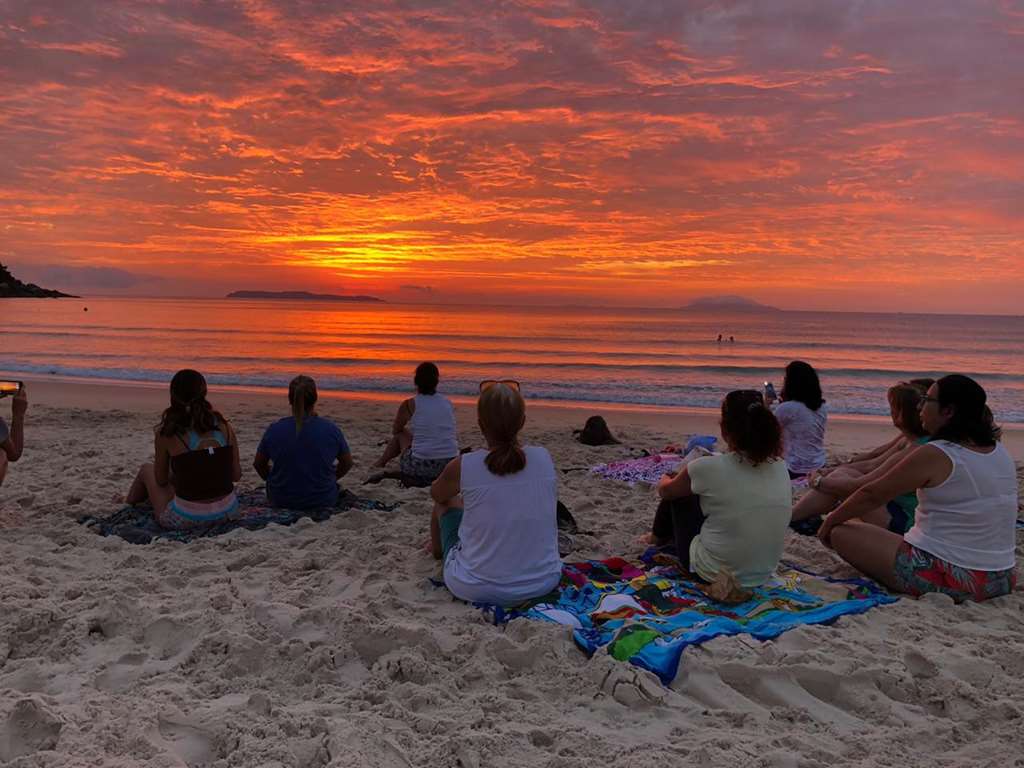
x=729, y=512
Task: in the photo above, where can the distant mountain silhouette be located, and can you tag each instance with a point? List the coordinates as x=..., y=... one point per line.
x=731, y=303
x=12, y=288
x=300, y=296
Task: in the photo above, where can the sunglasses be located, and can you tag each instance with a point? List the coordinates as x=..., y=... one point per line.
x=488, y=383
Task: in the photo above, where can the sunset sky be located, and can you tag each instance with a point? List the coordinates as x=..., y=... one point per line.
x=811, y=154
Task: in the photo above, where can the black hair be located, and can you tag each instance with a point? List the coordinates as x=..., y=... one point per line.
x=972, y=420
x=426, y=378
x=189, y=409
x=802, y=384
x=749, y=426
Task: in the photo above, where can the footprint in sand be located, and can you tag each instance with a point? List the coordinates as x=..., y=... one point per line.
x=30, y=727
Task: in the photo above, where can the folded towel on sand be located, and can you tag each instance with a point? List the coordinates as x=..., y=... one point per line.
x=136, y=524
x=647, y=611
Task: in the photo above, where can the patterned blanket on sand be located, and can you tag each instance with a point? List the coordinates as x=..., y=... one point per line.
x=648, y=611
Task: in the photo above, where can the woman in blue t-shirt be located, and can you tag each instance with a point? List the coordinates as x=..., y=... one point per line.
x=303, y=456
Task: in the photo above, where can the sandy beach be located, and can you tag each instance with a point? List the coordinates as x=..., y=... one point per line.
x=327, y=644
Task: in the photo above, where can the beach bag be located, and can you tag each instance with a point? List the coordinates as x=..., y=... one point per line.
x=595, y=432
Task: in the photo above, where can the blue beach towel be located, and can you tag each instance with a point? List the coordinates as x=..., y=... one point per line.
x=706, y=442
x=648, y=611
x=137, y=526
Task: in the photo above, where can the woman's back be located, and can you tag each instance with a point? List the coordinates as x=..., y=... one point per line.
x=202, y=465
x=303, y=474
x=969, y=518
x=508, y=538
x=803, y=435
x=747, y=509
x=433, y=428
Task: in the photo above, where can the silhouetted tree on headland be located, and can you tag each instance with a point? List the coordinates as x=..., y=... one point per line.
x=12, y=288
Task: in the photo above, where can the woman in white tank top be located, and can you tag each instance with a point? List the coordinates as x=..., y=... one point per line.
x=494, y=520
x=962, y=542
x=423, y=435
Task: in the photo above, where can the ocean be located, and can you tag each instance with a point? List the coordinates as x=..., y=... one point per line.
x=658, y=357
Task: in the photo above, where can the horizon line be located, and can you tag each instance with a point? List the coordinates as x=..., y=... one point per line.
x=762, y=309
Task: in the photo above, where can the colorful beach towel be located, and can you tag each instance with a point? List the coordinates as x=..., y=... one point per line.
x=136, y=524
x=648, y=611
x=647, y=469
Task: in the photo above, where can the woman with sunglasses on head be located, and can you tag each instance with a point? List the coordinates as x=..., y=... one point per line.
x=729, y=512
x=494, y=519
x=192, y=481
x=962, y=542
x=423, y=434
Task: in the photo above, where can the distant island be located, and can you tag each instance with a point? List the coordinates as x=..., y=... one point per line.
x=730, y=303
x=300, y=296
x=12, y=288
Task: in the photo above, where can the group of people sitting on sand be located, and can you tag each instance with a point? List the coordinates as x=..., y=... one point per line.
x=932, y=510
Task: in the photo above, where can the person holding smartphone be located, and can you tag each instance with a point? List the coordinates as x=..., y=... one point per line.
x=12, y=438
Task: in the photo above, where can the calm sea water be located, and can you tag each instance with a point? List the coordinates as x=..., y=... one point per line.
x=634, y=356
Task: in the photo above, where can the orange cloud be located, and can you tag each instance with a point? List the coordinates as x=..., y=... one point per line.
x=628, y=154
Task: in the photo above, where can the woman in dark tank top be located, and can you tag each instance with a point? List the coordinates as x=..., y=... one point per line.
x=192, y=480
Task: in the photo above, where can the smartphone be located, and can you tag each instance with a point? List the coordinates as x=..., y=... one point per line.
x=10, y=387
x=769, y=390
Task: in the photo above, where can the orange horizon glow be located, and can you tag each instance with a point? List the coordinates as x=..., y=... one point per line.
x=813, y=157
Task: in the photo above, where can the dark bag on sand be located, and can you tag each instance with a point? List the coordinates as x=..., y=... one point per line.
x=595, y=432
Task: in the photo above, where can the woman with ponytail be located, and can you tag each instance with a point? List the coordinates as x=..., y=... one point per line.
x=303, y=456
x=494, y=519
x=192, y=480
x=729, y=512
x=962, y=542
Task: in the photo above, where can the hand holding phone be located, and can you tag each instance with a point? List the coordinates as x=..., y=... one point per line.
x=20, y=403
x=10, y=387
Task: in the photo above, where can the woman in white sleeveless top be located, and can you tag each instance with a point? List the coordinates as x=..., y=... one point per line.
x=962, y=541
x=423, y=435
x=494, y=520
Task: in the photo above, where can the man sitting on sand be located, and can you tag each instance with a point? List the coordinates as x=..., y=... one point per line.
x=303, y=456
x=12, y=439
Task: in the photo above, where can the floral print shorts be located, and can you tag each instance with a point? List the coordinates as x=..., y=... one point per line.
x=920, y=572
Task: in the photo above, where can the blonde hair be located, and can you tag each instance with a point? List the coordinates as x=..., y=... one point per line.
x=904, y=398
x=501, y=412
x=302, y=396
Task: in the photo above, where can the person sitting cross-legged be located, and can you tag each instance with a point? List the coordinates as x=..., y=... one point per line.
x=962, y=543
x=303, y=456
x=730, y=511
